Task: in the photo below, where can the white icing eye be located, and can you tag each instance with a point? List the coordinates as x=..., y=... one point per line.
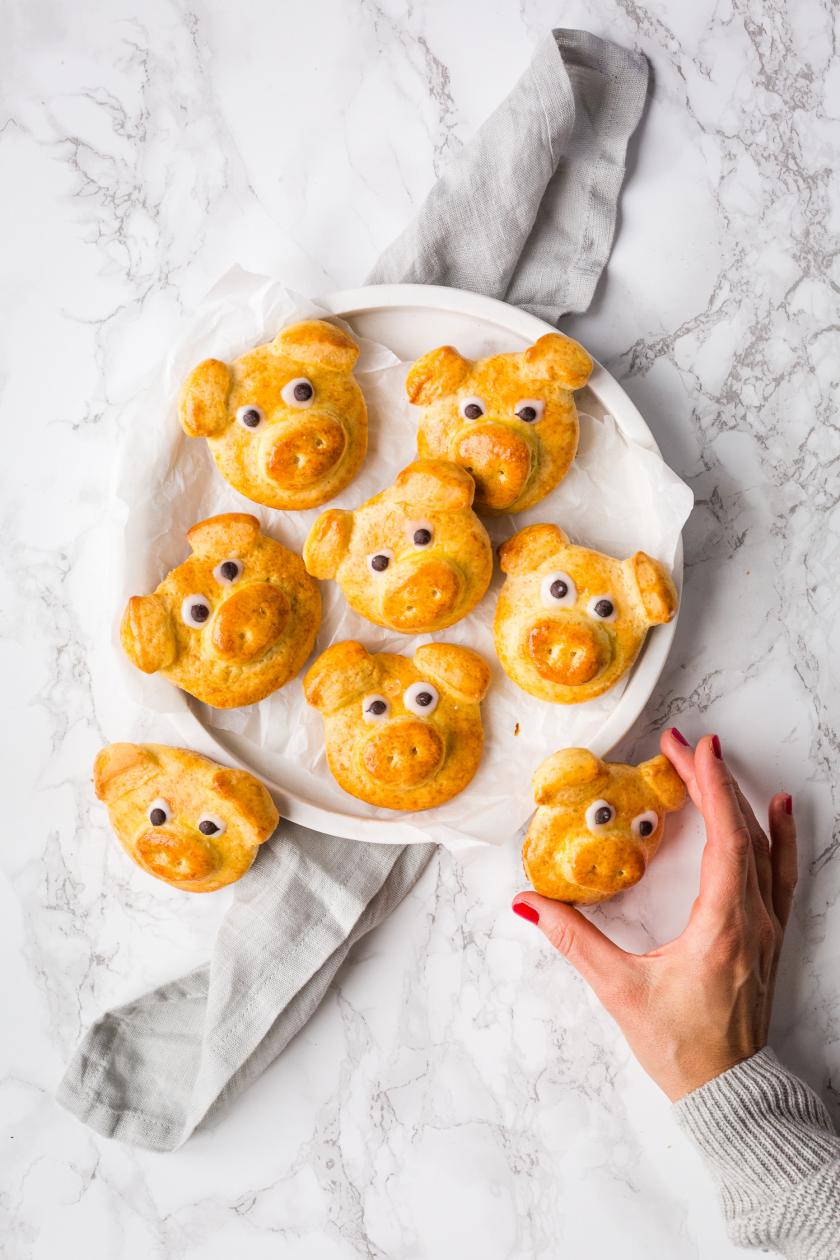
x=419, y=533
x=298, y=393
x=159, y=812
x=375, y=709
x=195, y=610
x=557, y=590
x=227, y=572
x=421, y=698
x=472, y=408
x=249, y=417
x=644, y=825
x=211, y=825
x=602, y=607
x=530, y=410
x=599, y=815
x=378, y=561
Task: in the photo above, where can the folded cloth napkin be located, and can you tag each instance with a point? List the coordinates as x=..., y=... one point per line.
x=526, y=212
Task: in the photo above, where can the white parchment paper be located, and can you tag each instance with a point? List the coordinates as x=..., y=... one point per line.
x=618, y=497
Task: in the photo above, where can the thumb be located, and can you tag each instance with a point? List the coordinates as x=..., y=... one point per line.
x=592, y=954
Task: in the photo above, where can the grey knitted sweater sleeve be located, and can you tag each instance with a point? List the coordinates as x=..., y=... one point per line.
x=772, y=1149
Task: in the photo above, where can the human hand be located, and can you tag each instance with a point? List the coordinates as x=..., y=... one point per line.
x=700, y=1004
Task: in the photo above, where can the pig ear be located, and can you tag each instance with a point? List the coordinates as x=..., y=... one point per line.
x=120, y=768
x=314, y=341
x=435, y=484
x=327, y=543
x=531, y=547
x=203, y=404
x=558, y=358
x=147, y=633
x=652, y=583
x=458, y=670
x=345, y=670
x=435, y=375
x=232, y=533
x=566, y=771
x=666, y=784
x=249, y=798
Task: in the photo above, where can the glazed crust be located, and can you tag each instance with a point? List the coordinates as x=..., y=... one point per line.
x=515, y=463
x=424, y=588
x=301, y=454
x=130, y=778
x=260, y=628
x=568, y=858
x=564, y=652
x=409, y=759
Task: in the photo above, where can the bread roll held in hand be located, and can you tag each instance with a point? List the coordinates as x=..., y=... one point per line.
x=286, y=422
x=234, y=622
x=415, y=558
x=571, y=621
x=597, y=824
x=183, y=818
x=403, y=734
x=510, y=420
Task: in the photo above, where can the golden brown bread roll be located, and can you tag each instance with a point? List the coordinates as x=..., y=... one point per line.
x=286, y=423
x=597, y=824
x=571, y=621
x=234, y=622
x=183, y=818
x=414, y=558
x=403, y=734
x=509, y=420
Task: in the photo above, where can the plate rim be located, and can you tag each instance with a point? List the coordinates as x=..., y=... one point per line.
x=344, y=304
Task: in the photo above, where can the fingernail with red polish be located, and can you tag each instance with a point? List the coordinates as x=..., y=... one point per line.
x=679, y=737
x=788, y=804
x=525, y=911
x=716, y=747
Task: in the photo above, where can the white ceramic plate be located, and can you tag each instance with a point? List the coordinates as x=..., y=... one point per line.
x=409, y=319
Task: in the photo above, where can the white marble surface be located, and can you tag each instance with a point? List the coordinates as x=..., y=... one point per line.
x=459, y=1093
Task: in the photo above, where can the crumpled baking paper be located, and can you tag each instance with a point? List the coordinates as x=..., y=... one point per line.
x=618, y=496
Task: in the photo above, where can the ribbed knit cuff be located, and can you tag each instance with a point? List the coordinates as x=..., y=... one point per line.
x=771, y=1145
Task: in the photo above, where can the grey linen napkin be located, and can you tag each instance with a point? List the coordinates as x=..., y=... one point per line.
x=526, y=212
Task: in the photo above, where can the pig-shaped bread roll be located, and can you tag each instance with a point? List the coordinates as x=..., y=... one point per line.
x=403, y=734
x=184, y=819
x=286, y=422
x=415, y=558
x=509, y=420
x=597, y=824
x=570, y=621
x=232, y=623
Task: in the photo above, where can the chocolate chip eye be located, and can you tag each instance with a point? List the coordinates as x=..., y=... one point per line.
x=645, y=824
x=419, y=533
x=599, y=814
x=375, y=709
x=602, y=607
x=227, y=572
x=159, y=812
x=472, y=408
x=421, y=698
x=250, y=417
x=298, y=393
x=378, y=561
x=195, y=610
x=211, y=825
x=557, y=590
x=529, y=410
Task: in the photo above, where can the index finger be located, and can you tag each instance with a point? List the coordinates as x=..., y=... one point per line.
x=728, y=855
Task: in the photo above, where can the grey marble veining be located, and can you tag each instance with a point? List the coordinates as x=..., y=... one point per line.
x=460, y=1093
